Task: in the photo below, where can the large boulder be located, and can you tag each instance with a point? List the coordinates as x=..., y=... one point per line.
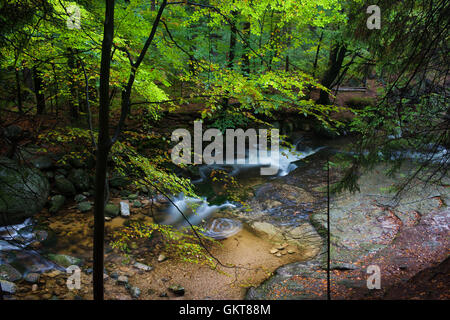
x=23, y=192
x=65, y=186
x=80, y=179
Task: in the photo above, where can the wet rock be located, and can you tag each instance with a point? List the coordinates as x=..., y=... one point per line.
x=287, y=288
x=111, y=210
x=84, y=206
x=65, y=186
x=24, y=191
x=9, y=273
x=177, y=290
x=269, y=204
x=64, y=260
x=8, y=287
x=267, y=230
x=56, y=202
x=53, y=273
x=124, y=209
x=274, y=193
x=341, y=266
x=80, y=179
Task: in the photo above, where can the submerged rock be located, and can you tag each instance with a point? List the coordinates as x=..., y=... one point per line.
x=32, y=277
x=64, y=260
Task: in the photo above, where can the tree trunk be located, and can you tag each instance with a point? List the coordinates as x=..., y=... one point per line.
x=337, y=55
x=72, y=87
x=232, y=50
x=40, y=98
x=19, y=92
x=103, y=147
x=245, y=58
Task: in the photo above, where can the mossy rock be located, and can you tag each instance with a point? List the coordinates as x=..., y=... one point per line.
x=23, y=191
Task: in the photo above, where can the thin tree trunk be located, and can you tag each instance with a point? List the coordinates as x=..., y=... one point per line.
x=56, y=90
x=231, y=54
x=19, y=91
x=337, y=55
x=246, y=59
x=72, y=87
x=316, y=59
x=104, y=144
x=40, y=98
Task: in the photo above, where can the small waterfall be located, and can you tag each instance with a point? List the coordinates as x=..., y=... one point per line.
x=195, y=210
x=285, y=164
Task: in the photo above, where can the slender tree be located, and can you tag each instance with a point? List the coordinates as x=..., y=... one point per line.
x=103, y=147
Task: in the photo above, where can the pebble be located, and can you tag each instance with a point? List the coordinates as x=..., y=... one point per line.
x=122, y=280
x=142, y=266
x=32, y=277
x=273, y=251
x=34, y=287
x=135, y=292
x=290, y=251
x=278, y=255
x=53, y=274
x=161, y=258
x=177, y=290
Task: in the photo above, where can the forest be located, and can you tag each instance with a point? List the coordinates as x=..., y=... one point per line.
x=120, y=178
